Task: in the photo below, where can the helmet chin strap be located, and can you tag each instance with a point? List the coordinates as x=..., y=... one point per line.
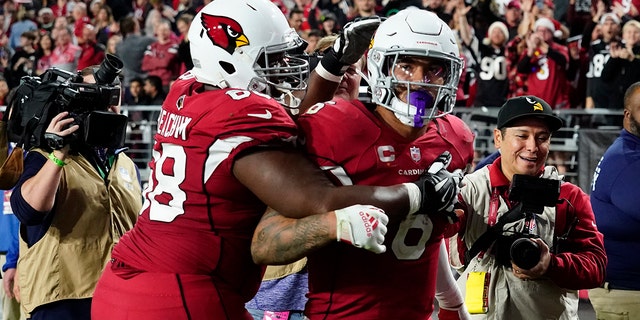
x=287, y=99
x=418, y=101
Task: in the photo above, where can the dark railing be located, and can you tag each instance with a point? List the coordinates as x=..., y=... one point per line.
x=565, y=146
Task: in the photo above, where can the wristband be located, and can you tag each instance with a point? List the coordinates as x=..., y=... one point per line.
x=322, y=72
x=331, y=63
x=57, y=161
x=415, y=197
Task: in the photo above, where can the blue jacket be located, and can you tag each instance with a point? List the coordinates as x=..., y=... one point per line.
x=616, y=205
x=9, y=226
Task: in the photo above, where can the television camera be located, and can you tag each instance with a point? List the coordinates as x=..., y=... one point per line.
x=38, y=99
x=534, y=194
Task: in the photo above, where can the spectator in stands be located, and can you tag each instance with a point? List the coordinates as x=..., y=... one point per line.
x=60, y=8
x=59, y=24
x=140, y=11
x=24, y=23
x=44, y=51
x=311, y=14
x=362, y=9
x=328, y=24
x=444, y=9
x=312, y=40
x=598, y=90
x=65, y=54
x=571, y=252
x=136, y=95
x=491, y=80
x=616, y=205
x=132, y=48
x=296, y=18
x=184, y=53
x=513, y=17
x=339, y=8
x=159, y=12
x=23, y=62
x=45, y=19
x=105, y=24
x=578, y=16
x=545, y=64
x=4, y=91
x=92, y=52
x=154, y=91
x=80, y=18
x=5, y=52
x=186, y=6
x=9, y=16
x=468, y=43
x=547, y=11
x=112, y=43
x=161, y=57
x=623, y=67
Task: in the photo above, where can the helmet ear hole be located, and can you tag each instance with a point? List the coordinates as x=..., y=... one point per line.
x=227, y=67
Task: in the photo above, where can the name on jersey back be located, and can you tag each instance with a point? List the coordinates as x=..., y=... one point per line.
x=173, y=125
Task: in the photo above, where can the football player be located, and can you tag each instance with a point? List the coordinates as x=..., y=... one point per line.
x=413, y=69
x=223, y=152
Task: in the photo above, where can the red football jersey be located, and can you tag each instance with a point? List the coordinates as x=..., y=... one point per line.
x=549, y=81
x=355, y=147
x=196, y=217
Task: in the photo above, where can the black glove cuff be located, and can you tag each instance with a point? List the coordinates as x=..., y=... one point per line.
x=331, y=62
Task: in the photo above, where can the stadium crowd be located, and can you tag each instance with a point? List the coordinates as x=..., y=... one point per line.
x=574, y=54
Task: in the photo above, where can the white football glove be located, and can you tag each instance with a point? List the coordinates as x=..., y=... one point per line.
x=362, y=226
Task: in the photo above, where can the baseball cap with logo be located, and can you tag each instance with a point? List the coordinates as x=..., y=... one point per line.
x=527, y=106
x=513, y=4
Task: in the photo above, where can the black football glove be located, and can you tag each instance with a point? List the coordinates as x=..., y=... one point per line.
x=352, y=43
x=440, y=188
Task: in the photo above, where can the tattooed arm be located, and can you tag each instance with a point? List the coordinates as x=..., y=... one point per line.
x=281, y=240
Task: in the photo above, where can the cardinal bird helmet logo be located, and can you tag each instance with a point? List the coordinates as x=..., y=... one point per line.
x=224, y=32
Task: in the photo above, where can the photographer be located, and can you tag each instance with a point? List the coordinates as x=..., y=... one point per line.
x=75, y=199
x=569, y=254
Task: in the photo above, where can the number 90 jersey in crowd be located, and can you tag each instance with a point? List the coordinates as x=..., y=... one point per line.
x=196, y=217
x=354, y=147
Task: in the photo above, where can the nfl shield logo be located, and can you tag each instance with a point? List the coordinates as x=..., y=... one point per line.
x=415, y=154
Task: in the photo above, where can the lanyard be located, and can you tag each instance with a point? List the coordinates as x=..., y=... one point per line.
x=494, y=203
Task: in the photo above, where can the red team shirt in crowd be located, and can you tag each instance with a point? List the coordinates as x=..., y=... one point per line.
x=193, y=201
x=549, y=81
x=347, y=282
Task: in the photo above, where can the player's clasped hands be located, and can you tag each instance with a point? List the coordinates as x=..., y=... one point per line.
x=362, y=226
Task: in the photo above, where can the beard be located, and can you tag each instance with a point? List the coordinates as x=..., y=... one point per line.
x=634, y=126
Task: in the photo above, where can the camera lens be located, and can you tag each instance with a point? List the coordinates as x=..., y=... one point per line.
x=525, y=253
x=108, y=70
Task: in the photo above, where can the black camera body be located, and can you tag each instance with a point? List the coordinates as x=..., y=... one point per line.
x=533, y=194
x=39, y=99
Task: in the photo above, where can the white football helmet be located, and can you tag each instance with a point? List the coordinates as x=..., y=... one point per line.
x=421, y=34
x=243, y=44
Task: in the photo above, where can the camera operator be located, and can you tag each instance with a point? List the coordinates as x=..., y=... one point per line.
x=74, y=201
x=570, y=253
